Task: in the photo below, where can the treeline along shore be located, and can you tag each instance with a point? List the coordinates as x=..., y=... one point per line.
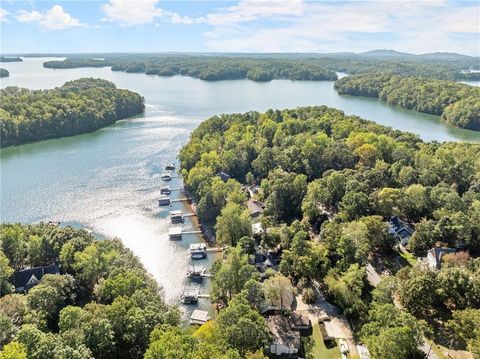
x=458, y=104
x=77, y=107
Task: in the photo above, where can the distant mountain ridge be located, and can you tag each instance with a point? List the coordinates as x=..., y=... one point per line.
x=373, y=54
x=383, y=53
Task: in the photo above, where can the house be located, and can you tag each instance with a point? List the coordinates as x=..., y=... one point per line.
x=223, y=176
x=285, y=340
x=400, y=230
x=255, y=208
x=434, y=256
x=25, y=279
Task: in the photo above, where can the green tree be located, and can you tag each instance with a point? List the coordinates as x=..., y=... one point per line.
x=346, y=289
x=5, y=273
x=278, y=290
x=391, y=333
x=13, y=350
x=231, y=275
x=242, y=327
x=232, y=224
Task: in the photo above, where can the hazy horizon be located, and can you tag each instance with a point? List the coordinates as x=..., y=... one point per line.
x=247, y=26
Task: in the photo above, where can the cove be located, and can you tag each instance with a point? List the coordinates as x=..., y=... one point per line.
x=109, y=180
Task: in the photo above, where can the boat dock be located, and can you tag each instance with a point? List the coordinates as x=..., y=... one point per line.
x=189, y=200
x=176, y=233
x=216, y=249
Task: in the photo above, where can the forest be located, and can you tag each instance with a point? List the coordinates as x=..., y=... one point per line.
x=209, y=68
x=266, y=67
x=102, y=304
x=458, y=104
x=4, y=73
x=330, y=183
x=79, y=106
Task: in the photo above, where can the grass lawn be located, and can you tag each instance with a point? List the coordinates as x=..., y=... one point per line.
x=320, y=351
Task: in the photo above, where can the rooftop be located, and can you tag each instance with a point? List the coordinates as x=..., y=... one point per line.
x=282, y=332
x=199, y=317
x=175, y=230
x=195, y=246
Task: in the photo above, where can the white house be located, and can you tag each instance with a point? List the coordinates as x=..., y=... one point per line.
x=434, y=256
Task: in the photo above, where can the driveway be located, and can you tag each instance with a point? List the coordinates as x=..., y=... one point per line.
x=337, y=326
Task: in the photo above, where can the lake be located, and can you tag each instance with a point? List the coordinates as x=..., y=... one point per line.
x=109, y=180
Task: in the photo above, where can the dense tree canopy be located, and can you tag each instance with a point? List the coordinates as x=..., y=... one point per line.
x=360, y=169
x=330, y=183
x=78, y=106
x=458, y=104
x=103, y=305
x=265, y=67
x=210, y=68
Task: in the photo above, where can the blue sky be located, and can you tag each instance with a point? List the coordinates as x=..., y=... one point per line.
x=240, y=26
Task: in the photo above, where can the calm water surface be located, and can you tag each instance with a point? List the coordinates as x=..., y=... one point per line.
x=108, y=181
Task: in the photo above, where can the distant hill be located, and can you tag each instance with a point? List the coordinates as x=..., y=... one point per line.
x=386, y=54
x=445, y=56
x=392, y=54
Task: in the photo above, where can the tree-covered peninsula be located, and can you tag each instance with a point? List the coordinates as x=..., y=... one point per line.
x=4, y=73
x=265, y=67
x=79, y=106
x=88, y=298
x=339, y=194
x=458, y=104
x=209, y=68
x=94, y=299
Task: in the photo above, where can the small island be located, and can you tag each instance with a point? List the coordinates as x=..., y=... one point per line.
x=458, y=104
x=4, y=73
x=79, y=106
x=10, y=59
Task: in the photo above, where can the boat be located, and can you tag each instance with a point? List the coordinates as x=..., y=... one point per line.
x=170, y=167
x=198, y=250
x=190, y=296
x=165, y=190
x=165, y=176
x=164, y=201
x=175, y=233
x=195, y=272
x=176, y=216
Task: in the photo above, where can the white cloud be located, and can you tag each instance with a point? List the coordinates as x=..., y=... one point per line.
x=3, y=15
x=415, y=26
x=251, y=10
x=129, y=12
x=54, y=19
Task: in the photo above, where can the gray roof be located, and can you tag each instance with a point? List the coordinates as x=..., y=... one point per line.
x=438, y=253
x=21, y=279
x=255, y=207
x=282, y=332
